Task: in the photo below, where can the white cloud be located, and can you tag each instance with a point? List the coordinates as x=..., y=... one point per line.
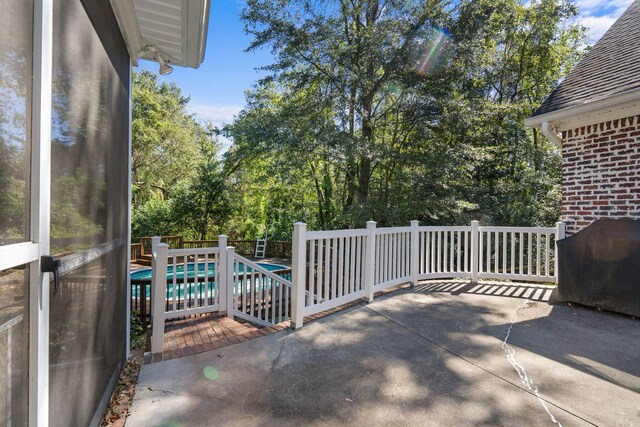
x=217, y=114
x=599, y=15
x=598, y=25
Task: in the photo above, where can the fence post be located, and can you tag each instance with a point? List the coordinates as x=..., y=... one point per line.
x=222, y=274
x=155, y=241
x=560, y=232
x=159, y=291
x=298, y=274
x=474, y=252
x=415, y=249
x=230, y=281
x=370, y=260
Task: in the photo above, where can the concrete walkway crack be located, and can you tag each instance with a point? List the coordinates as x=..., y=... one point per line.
x=270, y=374
x=526, y=380
x=471, y=362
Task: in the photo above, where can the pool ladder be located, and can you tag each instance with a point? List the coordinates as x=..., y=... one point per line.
x=261, y=245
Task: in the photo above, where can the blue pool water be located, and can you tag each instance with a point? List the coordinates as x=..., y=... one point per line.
x=145, y=274
x=208, y=272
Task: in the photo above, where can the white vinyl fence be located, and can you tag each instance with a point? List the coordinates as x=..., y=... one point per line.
x=332, y=268
x=259, y=295
x=207, y=280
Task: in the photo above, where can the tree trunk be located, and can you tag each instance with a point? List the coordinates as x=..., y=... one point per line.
x=364, y=177
x=350, y=176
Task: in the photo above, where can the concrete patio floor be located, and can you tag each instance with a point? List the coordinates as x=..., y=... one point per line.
x=432, y=355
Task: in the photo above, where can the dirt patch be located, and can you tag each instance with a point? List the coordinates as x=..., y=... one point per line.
x=122, y=396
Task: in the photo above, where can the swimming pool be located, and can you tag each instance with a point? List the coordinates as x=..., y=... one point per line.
x=145, y=274
x=204, y=271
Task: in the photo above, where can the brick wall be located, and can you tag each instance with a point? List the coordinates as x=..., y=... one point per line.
x=601, y=172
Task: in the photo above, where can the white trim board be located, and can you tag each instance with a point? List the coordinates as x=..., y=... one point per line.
x=178, y=30
x=626, y=104
x=18, y=254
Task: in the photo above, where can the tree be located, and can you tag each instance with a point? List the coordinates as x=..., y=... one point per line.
x=203, y=205
x=178, y=183
x=354, y=51
x=406, y=110
x=165, y=138
x=509, y=57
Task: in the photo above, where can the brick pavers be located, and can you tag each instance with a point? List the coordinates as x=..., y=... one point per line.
x=193, y=335
x=204, y=333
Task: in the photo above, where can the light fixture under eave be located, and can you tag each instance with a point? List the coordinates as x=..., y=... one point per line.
x=164, y=67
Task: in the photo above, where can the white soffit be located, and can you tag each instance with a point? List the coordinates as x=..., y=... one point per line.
x=626, y=104
x=177, y=28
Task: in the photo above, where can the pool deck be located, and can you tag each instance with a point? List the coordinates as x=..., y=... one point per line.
x=184, y=337
x=443, y=353
x=201, y=333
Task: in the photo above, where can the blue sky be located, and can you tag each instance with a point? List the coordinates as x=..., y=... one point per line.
x=217, y=87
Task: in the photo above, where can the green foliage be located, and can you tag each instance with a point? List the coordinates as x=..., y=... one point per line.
x=202, y=207
x=153, y=218
x=166, y=139
x=390, y=111
x=178, y=184
x=375, y=111
x=138, y=336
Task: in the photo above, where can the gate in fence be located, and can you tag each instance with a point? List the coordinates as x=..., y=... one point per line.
x=208, y=280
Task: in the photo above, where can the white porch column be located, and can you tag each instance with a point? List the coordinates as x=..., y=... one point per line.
x=370, y=260
x=474, y=251
x=415, y=249
x=159, y=291
x=298, y=274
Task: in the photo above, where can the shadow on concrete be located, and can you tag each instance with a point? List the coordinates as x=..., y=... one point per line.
x=501, y=289
x=364, y=367
x=603, y=344
x=429, y=355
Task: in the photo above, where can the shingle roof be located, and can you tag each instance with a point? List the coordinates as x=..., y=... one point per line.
x=611, y=67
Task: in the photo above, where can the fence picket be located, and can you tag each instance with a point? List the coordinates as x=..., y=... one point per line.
x=529, y=246
x=537, y=254
x=352, y=270
x=546, y=253
x=357, y=285
x=334, y=269
x=327, y=269
x=504, y=251
x=513, y=253
x=312, y=268
x=339, y=262
x=320, y=270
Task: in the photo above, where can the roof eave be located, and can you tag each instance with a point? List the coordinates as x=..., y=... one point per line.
x=624, y=104
x=126, y=18
x=195, y=28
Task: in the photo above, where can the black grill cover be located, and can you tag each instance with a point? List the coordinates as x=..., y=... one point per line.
x=600, y=266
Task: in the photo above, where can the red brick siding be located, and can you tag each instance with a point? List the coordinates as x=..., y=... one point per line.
x=601, y=172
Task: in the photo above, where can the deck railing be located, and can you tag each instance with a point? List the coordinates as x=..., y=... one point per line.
x=136, y=251
x=189, y=281
x=331, y=268
x=142, y=251
x=259, y=295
